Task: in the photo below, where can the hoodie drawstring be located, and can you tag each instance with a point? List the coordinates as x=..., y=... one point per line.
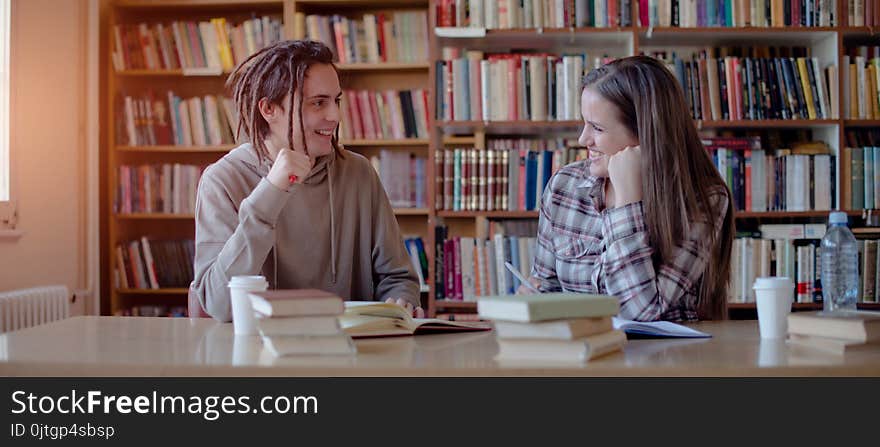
x=332, y=228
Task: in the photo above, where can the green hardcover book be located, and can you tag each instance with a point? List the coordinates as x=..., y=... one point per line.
x=546, y=306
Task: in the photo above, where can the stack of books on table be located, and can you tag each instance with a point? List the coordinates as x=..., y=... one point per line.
x=553, y=327
x=835, y=332
x=301, y=322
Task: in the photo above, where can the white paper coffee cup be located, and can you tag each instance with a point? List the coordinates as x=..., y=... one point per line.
x=773, y=296
x=243, y=320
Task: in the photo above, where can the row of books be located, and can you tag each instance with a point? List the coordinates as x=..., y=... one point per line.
x=154, y=264
x=861, y=13
x=776, y=180
x=153, y=310
x=512, y=14
x=387, y=114
x=799, y=259
x=206, y=47
x=865, y=177
x=861, y=82
x=471, y=85
x=403, y=176
x=772, y=250
x=756, y=257
x=510, y=175
x=737, y=13
x=398, y=36
x=757, y=88
x=171, y=120
x=165, y=188
x=471, y=267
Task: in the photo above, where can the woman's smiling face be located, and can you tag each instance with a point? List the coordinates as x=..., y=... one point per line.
x=604, y=134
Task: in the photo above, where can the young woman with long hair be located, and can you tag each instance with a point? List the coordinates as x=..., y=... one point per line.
x=647, y=217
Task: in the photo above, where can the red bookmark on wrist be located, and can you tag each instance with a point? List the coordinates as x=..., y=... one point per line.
x=292, y=178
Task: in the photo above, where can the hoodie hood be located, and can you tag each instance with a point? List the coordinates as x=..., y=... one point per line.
x=247, y=155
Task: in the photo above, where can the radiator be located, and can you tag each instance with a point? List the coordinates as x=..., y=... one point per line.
x=24, y=308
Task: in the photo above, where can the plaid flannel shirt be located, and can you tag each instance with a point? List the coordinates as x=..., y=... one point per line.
x=583, y=249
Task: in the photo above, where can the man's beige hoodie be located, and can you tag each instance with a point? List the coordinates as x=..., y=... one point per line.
x=336, y=231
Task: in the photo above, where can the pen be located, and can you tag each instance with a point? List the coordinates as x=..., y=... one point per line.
x=521, y=278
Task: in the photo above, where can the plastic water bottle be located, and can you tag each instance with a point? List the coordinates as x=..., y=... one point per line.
x=840, y=265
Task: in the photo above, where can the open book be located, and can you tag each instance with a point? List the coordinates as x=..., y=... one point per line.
x=376, y=319
x=656, y=329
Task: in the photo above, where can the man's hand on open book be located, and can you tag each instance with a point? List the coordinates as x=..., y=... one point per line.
x=418, y=312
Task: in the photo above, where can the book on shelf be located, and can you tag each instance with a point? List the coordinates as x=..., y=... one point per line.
x=509, y=175
x=656, y=329
x=167, y=188
x=509, y=86
x=776, y=83
x=861, y=326
x=568, y=329
x=762, y=13
x=549, y=350
x=862, y=76
x=150, y=120
x=474, y=267
x=383, y=37
x=800, y=178
x=415, y=248
x=386, y=114
x=403, y=177
x=532, y=14
x=215, y=43
x=295, y=302
x=546, y=306
x=375, y=319
x=153, y=264
x=152, y=310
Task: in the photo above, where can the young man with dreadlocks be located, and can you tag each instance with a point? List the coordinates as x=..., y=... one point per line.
x=290, y=204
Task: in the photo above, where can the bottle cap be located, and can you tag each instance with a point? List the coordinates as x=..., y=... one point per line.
x=837, y=217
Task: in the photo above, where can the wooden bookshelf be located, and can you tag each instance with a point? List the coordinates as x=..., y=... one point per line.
x=766, y=124
x=490, y=214
x=401, y=142
x=510, y=127
x=787, y=214
x=861, y=123
x=418, y=66
x=828, y=44
x=178, y=149
x=163, y=216
x=167, y=291
x=801, y=306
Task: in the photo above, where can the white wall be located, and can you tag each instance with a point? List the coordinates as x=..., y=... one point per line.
x=48, y=145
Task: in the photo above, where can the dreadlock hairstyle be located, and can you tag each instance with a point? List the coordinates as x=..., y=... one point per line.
x=678, y=175
x=273, y=73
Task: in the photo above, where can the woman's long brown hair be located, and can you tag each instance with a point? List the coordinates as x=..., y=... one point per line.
x=678, y=175
x=273, y=73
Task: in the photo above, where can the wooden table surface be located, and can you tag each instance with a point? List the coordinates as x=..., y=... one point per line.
x=135, y=346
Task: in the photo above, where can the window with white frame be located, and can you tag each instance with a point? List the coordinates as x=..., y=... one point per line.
x=4, y=99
